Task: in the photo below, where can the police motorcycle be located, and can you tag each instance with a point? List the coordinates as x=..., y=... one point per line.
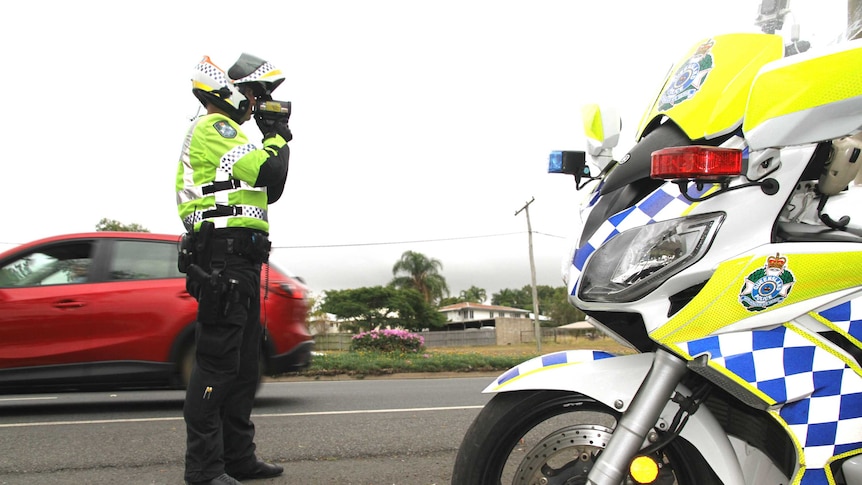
x=725, y=249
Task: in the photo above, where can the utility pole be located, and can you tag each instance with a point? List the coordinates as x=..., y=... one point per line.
x=536, y=326
x=854, y=11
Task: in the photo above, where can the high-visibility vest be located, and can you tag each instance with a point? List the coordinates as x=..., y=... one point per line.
x=216, y=174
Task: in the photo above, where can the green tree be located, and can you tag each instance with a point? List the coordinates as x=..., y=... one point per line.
x=514, y=298
x=421, y=273
x=450, y=300
x=111, y=225
x=553, y=302
x=371, y=307
x=546, y=294
x=561, y=311
x=474, y=294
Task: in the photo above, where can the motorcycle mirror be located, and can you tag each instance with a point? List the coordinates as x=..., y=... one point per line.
x=770, y=15
x=602, y=126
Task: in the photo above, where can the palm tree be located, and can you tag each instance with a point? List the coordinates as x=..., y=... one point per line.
x=511, y=298
x=474, y=294
x=421, y=274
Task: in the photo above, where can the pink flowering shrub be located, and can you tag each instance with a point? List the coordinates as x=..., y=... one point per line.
x=387, y=341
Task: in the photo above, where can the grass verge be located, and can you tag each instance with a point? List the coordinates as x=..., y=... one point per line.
x=446, y=359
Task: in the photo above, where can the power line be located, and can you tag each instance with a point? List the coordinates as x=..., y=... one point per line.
x=381, y=243
x=549, y=235
x=385, y=243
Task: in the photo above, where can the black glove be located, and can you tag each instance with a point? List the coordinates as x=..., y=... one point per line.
x=270, y=126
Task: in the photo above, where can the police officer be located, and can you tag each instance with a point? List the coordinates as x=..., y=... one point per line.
x=224, y=184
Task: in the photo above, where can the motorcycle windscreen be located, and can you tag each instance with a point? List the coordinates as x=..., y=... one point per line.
x=806, y=98
x=706, y=92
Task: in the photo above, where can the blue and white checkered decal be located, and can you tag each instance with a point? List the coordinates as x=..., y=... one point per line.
x=663, y=204
x=818, y=395
x=557, y=358
x=846, y=318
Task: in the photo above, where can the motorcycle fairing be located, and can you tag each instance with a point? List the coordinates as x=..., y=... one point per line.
x=545, y=362
x=817, y=270
x=814, y=392
x=806, y=98
x=706, y=92
x=614, y=381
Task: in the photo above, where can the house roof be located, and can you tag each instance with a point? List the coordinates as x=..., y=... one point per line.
x=479, y=306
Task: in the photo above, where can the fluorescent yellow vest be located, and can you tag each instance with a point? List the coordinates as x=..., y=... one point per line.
x=216, y=174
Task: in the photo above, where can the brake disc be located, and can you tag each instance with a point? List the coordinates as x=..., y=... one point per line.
x=564, y=457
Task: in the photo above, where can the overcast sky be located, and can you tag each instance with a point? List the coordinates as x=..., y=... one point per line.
x=419, y=125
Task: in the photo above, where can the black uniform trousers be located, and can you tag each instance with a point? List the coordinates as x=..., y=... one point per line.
x=224, y=379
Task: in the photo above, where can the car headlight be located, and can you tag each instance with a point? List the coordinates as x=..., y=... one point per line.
x=637, y=261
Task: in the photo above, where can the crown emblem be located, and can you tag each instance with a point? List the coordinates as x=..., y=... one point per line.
x=767, y=285
x=776, y=262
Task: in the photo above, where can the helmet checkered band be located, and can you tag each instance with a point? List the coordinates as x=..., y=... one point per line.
x=260, y=72
x=209, y=77
x=212, y=85
x=214, y=73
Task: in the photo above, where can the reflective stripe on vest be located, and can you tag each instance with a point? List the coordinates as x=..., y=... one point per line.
x=218, y=214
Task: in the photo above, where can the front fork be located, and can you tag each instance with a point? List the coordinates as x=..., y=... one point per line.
x=612, y=465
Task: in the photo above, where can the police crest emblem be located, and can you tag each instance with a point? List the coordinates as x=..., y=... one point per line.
x=224, y=129
x=688, y=79
x=768, y=285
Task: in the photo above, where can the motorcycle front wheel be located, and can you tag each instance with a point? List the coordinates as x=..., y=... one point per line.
x=554, y=438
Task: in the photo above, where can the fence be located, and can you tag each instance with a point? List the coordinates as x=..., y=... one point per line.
x=454, y=338
x=562, y=336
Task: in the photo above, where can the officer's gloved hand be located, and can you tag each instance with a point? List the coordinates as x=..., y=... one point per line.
x=270, y=126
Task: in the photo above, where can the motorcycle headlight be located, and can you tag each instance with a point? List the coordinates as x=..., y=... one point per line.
x=637, y=261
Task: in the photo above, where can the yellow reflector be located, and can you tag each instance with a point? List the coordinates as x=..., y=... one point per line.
x=644, y=469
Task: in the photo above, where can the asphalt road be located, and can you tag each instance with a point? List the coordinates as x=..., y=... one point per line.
x=389, y=431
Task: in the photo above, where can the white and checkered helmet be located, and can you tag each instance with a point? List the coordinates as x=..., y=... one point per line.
x=261, y=75
x=212, y=86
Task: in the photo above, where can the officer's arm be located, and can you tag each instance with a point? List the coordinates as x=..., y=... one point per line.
x=273, y=172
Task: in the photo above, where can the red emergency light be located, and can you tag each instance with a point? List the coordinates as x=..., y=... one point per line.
x=696, y=163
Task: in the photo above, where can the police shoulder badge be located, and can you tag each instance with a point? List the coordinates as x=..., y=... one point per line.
x=225, y=129
x=768, y=285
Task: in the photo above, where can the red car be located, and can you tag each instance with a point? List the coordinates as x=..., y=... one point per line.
x=109, y=310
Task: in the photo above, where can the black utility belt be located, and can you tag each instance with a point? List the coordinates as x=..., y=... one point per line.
x=207, y=248
x=254, y=245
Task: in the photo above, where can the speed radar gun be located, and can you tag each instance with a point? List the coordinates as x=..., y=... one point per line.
x=273, y=110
